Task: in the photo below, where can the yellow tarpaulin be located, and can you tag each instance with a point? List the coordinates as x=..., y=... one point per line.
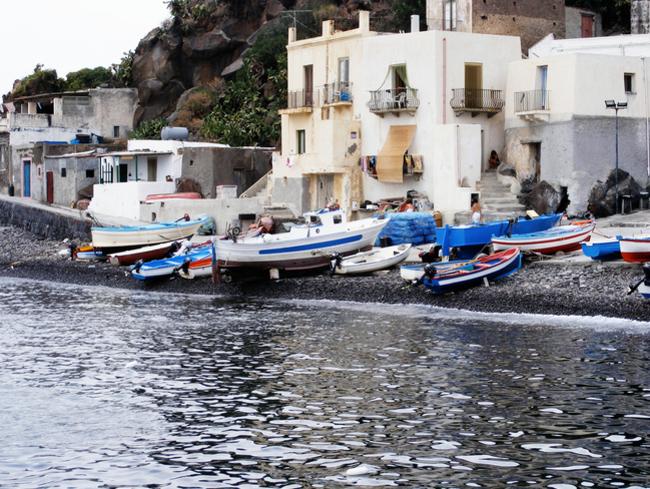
x=390, y=160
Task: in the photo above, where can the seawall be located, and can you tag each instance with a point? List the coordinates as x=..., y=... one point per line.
x=43, y=221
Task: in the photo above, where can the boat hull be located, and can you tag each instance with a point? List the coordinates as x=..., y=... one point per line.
x=116, y=239
x=146, y=253
x=570, y=240
x=635, y=250
x=603, y=250
x=496, y=267
x=374, y=260
x=299, y=252
x=163, y=268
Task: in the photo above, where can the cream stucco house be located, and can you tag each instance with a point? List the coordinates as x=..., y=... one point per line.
x=360, y=101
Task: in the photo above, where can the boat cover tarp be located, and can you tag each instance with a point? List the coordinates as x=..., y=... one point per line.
x=409, y=228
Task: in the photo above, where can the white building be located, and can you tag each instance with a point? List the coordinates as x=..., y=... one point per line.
x=558, y=128
x=358, y=97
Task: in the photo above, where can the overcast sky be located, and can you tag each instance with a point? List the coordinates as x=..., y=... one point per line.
x=68, y=35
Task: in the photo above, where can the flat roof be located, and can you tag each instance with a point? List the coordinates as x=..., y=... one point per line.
x=138, y=153
x=43, y=96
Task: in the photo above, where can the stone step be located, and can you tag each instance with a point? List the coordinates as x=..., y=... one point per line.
x=493, y=203
x=505, y=208
x=465, y=217
x=497, y=195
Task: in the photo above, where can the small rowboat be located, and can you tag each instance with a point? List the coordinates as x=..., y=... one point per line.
x=603, y=250
x=371, y=261
x=146, y=253
x=561, y=238
x=88, y=253
x=487, y=268
x=127, y=237
x=636, y=250
x=167, y=266
x=413, y=272
x=178, y=195
x=197, y=267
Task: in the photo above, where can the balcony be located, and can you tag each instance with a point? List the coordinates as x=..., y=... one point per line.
x=533, y=105
x=300, y=102
x=395, y=101
x=477, y=101
x=337, y=94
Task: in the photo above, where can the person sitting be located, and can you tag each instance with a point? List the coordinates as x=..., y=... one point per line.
x=406, y=206
x=494, y=160
x=476, y=212
x=264, y=225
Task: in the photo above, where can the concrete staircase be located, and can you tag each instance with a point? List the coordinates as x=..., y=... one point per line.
x=497, y=202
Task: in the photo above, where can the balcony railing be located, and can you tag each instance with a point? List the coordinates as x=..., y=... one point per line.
x=395, y=100
x=337, y=93
x=532, y=100
x=477, y=100
x=302, y=99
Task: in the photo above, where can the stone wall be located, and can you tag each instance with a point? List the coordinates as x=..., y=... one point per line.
x=532, y=20
x=225, y=166
x=640, y=17
x=5, y=162
x=577, y=153
x=43, y=222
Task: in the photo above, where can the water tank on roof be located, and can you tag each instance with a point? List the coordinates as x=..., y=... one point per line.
x=174, y=133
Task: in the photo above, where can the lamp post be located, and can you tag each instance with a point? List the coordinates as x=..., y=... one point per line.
x=616, y=106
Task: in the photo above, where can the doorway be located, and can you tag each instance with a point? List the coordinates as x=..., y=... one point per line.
x=123, y=173
x=587, y=26
x=49, y=187
x=535, y=159
x=473, y=85
x=27, y=178
x=152, y=169
x=324, y=190
x=308, y=71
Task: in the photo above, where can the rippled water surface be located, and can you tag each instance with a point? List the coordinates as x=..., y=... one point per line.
x=118, y=389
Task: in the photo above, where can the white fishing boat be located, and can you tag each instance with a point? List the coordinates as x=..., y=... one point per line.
x=126, y=237
x=371, y=261
x=304, y=246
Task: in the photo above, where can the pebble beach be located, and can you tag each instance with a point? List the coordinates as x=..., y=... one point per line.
x=541, y=287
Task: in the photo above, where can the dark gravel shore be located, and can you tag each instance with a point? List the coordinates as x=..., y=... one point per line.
x=591, y=289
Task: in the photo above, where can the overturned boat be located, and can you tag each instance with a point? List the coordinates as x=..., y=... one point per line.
x=371, y=261
x=304, y=247
x=561, y=238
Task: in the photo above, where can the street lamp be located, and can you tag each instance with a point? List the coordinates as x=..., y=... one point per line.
x=616, y=106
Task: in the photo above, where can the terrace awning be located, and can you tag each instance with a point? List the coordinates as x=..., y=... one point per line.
x=390, y=160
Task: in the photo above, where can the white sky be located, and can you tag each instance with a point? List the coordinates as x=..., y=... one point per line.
x=68, y=35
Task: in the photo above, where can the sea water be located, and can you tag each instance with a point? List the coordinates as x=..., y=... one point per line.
x=113, y=388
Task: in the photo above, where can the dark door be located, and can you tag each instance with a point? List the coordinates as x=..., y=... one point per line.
x=587, y=29
x=309, y=85
x=49, y=183
x=27, y=179
x=123, y=173
x=473, y=85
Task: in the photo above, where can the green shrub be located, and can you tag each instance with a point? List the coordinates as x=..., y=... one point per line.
x=149, y=129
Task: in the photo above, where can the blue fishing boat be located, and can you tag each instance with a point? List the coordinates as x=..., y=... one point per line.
x=167, y=266
x=603, y=250
x=474, y=272
x=469, y=239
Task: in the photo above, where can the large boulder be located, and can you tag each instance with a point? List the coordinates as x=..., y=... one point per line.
x=543, y=198
x=602, y=199
x=507, y=170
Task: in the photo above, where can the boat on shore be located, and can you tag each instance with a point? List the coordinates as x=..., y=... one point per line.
x=115, y=239
x=470, y=239
x=88, y=253
x=561, y=238
x=304, y=247
x=166, y=267
x=174, y=196
x=413, y=272
x=371, y=261
x=490, y=268
x=146, y=253
x=609, y=249
x=636, y=250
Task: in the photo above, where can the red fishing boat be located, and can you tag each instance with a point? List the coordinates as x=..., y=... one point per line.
x=636, y=250
x=561, y=238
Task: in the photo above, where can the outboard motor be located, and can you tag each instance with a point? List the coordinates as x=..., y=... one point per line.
x=335, y=261
x=646, y=272
x=430, y=270
x=433, y=255
x=138, y=265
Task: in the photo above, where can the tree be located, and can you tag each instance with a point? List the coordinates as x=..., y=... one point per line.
x=40, y=81
x=88, y=78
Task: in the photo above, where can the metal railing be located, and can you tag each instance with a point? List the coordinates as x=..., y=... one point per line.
x=393, y=100
x=335, y=93
x=477, y=99
x=532, y=100
x=299, y=99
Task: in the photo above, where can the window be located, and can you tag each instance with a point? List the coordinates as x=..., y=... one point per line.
x=64, y=172
x=344, y=72
x=116, y=131
x=449, y=15
x=628, y=80
x=301, y=141
x=90, y=173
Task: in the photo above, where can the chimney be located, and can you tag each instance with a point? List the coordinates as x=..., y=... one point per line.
x=640, y=17
x=328, y=28
x=364, y=21
x=292, y=35
x=415, y=23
